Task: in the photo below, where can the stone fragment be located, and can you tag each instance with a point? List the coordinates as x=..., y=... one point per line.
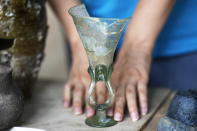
x=169, y=124
x=11, y=100
x=183, y=107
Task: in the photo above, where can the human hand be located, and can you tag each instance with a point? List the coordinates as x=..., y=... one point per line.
x=130, y=77
x=78, y=85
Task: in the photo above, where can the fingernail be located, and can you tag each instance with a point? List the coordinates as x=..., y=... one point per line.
x=110, y=113
x=118, y=116
x=77, y=111
x=144, y=111
x=134, y=116
x=66, y=104
x=89, y=112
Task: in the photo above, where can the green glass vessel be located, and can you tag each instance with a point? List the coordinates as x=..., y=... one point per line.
x=99, y=37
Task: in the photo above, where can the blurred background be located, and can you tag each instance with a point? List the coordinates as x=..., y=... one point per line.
x=55, y=64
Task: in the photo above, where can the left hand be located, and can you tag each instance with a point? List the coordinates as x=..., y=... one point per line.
x=131, y=70
x=130, y=78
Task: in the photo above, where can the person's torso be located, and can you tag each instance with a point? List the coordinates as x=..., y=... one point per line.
x=179, y=34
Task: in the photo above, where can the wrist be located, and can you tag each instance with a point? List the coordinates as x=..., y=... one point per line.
x=145, y=47
x=78, y=53
x=140, y=52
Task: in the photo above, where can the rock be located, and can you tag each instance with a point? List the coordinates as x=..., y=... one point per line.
x=183, y=107
x=11, y=99
x=169, y=124
x=23, y=30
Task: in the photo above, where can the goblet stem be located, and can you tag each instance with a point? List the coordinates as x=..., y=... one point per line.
x=101, y=114
x=100, y=73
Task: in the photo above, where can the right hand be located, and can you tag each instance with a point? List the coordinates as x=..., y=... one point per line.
x=78, y=84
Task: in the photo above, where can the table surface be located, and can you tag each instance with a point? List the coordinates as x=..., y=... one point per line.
x=45, y=111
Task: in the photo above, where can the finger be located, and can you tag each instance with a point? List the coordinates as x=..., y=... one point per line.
x=143, y=101
x=101, y=92
x=67, y=95
x=89, y=110
x=110, y=111
x=78, y=99
x=131, y=102
x=119, y=104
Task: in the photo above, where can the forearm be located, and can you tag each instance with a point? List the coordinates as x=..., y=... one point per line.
x=146, y=24
x=61, y=8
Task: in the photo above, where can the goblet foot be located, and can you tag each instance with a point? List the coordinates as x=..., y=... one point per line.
x=95, y=122
x=100, y=120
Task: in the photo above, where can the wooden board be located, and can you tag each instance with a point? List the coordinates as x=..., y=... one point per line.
x=45, y=110
x=152, y=125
